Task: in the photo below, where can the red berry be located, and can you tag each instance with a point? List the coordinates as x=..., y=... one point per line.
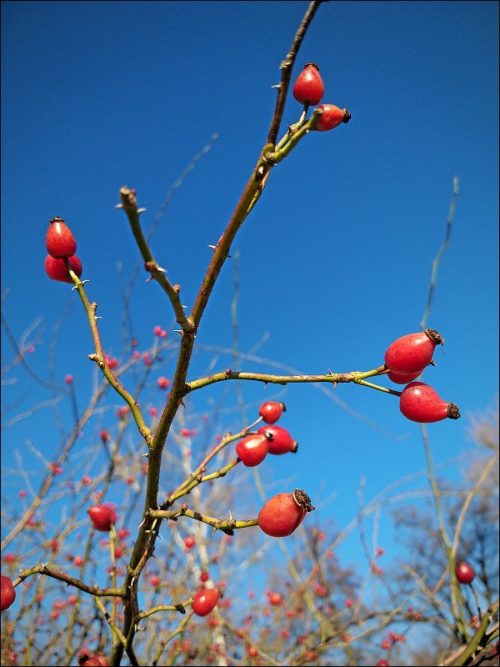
x=78, y=561
x=308, y=87
x=102, y=516
x=464, y=573
x=163, y=382
x=104, y=435
x=189, y=542
x=403, y=378
x=382, y=663
x=421, y=403
x=155, y=581
x=253, y=449
x=204, y=576
x=205, y=600
x=412, y=352
x=271, y=411
x=275, y=599
x=112, y=362
x=7, y=592
x=330, y=117
x=56, y=268
x=60, y=241
x=281, y=515
x=252, y=652
x=281, y=442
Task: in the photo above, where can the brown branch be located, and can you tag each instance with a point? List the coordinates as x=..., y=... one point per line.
x=68, y=579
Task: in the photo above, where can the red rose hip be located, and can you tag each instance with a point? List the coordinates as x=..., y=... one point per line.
x=420, y=403
x=308, y=87
x=253, y=449
x=281, y=441
x=464, y=573
x=7, y=592
x=56, y=268
x=271, y=411
x=102, y=516
x=412, y=352
x=205, y=600
x=189, y=542
x=330, y=117
x=281, y=515
x=59, y=240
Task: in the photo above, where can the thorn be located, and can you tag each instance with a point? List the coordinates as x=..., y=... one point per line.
x=149, y=279
x=179, y=331
x=277, y=86
x=159, y=268
x=97, y=317
x=212, y=246
x=141, y=210
x=119, y=206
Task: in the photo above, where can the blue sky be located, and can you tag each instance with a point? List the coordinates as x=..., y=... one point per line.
x=334, y=261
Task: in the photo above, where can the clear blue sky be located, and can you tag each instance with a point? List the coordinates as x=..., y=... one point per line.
x=335, y=259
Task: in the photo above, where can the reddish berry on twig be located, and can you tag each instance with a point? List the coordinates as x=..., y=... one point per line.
x=422, y=404
x=271, y=411
x=330, y=117
x=253, y=449
x=464, y=573
x=56, y=269
x=102, y=516
x=281, y=441
x=205, y=600
x=281, y=515
x=7, y=592
x=308, y=87
x=413, y=352
x=59, y=240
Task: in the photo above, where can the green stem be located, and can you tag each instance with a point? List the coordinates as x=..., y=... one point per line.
x=220, y=524
x=268, y=378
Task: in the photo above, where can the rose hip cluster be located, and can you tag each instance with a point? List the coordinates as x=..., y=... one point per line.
x=270, y=439
x=283, y=513
x=308, y=90
x=61, y=246
x=405, y=359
